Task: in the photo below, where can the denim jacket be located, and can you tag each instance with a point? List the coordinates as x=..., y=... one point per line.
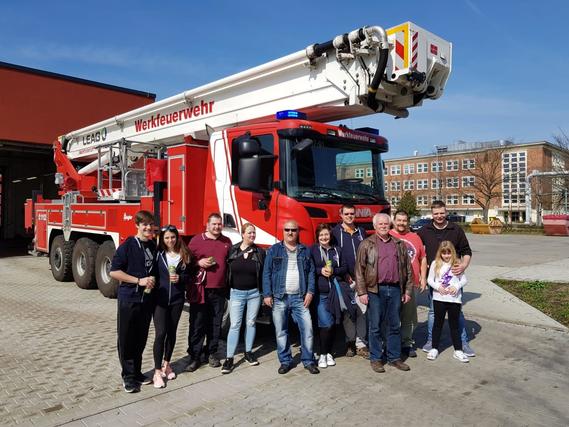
x=274, y=271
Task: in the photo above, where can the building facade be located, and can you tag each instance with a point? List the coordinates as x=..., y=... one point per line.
x=37, y=107
x=472, y=178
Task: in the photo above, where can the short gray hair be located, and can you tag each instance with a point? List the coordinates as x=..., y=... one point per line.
x=377, y=217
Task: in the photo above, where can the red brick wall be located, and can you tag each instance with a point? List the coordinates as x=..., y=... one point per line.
x=36, y=108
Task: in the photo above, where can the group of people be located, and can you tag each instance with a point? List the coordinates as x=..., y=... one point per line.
x=365, y=284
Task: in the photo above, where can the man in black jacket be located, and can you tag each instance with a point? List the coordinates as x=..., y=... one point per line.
x=132, y=266
x=432, y=235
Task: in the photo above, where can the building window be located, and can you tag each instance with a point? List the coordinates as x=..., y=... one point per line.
x=468, y=164
x=467, y=181
x=468, y=199
x=422, y=184
x=408, y=169
x=409, y=185
x=395, y=170
x=422, y=167
x=436, y=166
x=434, y=198
x=422, y=200
x=395, y=186
x=385, y=171
x=359, y=173
x=452, y=182
x=452, y=165
x=452, y=199
x=514, y=169
x=436, y=184
x=395, y=200
x=369, y=172
x=385, y=185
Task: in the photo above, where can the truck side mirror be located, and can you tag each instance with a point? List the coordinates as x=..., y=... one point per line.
x=255, y=173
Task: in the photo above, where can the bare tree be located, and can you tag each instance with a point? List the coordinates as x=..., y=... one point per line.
x=487, y=173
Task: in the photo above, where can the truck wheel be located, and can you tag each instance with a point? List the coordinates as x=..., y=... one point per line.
x=83, y=263
x=106, y=284
x=60, y=256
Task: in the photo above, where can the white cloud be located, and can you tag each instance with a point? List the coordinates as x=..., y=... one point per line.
x=105, y=56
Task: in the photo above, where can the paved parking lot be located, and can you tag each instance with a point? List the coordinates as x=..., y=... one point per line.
x=58, y=365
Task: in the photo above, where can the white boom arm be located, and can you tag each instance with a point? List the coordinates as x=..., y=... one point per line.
x=328, y=81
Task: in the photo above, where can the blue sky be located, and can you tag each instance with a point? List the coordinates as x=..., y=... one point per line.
x=510, y=63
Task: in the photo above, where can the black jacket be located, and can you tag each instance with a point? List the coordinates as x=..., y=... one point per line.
x=432, y=238
x=339, y=266
x=257, y=255
x=130, y=258
x=165, y=292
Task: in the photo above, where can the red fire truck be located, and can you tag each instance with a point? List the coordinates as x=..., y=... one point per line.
x=221, y=148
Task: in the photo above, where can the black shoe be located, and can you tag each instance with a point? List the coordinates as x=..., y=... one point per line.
x=140, y=378
x=131, y=386
x=251, y=359
x=351, y=349
x=194, y=365
x=283, y=369
x=214, y=362
x=312, y=369
x=409, y=352
x=227, y=366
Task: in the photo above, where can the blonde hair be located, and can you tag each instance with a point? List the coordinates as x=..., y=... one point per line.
x=245, y=226
x=445, y=246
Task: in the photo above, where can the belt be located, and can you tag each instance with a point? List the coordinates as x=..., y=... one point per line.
x=395, y=285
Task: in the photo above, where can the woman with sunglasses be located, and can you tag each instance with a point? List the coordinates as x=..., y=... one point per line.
x=245, y=274
x=173, y=265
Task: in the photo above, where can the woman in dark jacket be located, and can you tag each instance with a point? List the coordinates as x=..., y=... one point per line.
x=245, y=272
x=173, y=268
x=330, y=271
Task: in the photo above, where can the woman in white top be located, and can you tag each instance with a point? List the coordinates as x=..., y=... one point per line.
x=447, y=297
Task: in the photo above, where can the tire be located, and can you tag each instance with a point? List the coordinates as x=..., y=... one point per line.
x=83, y=263
x=60, y=257
x=106, y=284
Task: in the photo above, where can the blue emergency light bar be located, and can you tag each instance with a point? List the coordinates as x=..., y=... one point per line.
x=372, y=131
x=290, y=114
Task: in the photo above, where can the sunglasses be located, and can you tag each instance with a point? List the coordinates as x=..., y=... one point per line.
x=348, y=214
x=291, y=230
x=169, y=228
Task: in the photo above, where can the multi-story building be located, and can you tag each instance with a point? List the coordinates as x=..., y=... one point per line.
x=472, y=177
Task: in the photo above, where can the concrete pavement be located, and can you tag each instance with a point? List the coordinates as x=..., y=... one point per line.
x=58, y=362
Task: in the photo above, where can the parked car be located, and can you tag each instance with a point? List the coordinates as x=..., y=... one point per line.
x=419, y=223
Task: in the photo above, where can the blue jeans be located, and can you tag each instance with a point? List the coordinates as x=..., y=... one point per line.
x=237, y=302
x=282, y=307
x=325, y=319
x=384, y=305
x=431, y=321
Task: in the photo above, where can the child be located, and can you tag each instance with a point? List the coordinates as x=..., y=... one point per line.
x=447, y=297
x=132, y=266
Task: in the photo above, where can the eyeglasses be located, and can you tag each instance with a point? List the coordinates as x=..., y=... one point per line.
x=349, y=213
x=169, y=227
x=291, y=230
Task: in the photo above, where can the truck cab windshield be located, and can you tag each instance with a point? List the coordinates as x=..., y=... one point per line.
x=333, y=170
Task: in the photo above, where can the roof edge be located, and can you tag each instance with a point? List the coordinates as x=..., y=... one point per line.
x=76, y=80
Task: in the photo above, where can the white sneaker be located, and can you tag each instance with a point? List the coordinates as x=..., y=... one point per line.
x=460, y=356
x=330, y=360
x=432, y=354
x=158, y=381
x=322, y=361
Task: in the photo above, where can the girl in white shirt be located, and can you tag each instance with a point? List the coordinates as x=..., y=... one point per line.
x=447, y=297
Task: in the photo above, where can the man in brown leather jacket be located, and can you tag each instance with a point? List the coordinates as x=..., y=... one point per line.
x=384, y=281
